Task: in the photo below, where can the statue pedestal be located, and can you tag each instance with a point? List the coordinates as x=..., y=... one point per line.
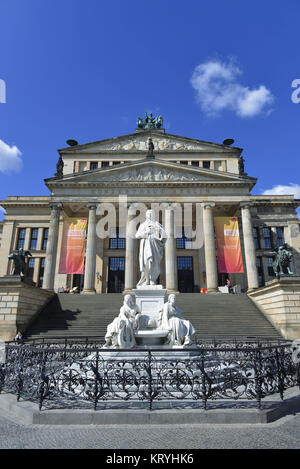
x=152, y=337
x=279, y=300
x=150, y=299
x=20, y=302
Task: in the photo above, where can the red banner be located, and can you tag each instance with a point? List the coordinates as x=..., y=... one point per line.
x=73, y=246
x=228, y=245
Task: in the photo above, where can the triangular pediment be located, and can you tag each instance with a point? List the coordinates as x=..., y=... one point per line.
x=138, y=142
x=149, y=171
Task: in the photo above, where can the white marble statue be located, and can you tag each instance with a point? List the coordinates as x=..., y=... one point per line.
x=181, y=331
x=153, y=238
x=120, y=333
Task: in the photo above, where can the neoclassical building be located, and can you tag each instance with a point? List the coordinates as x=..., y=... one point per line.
x=205, y=179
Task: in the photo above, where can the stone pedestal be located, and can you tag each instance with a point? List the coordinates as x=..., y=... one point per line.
x=19, y=304
x=150, y=300
x=279, y=300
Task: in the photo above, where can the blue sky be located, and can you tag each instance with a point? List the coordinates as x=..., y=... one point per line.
x=87, y=69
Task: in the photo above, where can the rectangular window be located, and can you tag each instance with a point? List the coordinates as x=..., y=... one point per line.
x=206, y=164
x=45, y=239
x=271, y=273
x=116, y=241
x=267, y=238
x=41, y=272
x=183, y=242
x=280, y=236
x=34, y=238
x=256, y=238
x=104, y=164
x=184, y=162
x=94, y=165
x=21, y=238
x=195, y=163
x=260, y=271
x=30, y=268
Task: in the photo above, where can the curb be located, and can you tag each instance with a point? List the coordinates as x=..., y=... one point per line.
x=27, y=413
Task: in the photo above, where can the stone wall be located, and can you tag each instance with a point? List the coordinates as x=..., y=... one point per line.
x=279, y=300
x=19, y=304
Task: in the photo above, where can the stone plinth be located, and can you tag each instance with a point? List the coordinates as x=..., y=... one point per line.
x=279, y=300
x=150, y=299
x=19, y=304
x=152, y=337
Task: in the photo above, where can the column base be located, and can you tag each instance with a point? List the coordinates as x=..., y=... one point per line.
x=252, y=289
x=213, y=290
x=88, y=292
x=47, y=288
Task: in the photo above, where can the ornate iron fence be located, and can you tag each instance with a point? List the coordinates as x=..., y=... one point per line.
x=73, y=374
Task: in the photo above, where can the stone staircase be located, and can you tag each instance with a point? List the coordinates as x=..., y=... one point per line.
x=213, y=315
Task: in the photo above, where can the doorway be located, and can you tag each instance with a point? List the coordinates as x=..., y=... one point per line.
x=185, y=271
x=116, y=275
x=78, y=281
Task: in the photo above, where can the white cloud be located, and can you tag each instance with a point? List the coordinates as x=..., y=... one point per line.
x=291, y=189
x=217, y=89
x=10, y=158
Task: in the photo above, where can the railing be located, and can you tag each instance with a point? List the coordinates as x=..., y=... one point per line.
x=72, y=374
x=199, y=340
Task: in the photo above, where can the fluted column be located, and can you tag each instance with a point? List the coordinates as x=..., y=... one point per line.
x=249, y=247
x=90, y=257
x=210, y=248
x=170, y=253
x=130, y=254
x=50, y=262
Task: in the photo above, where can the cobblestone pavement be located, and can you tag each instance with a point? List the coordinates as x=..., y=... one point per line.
x=285, y=433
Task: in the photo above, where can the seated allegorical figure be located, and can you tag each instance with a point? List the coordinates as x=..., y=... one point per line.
x=120, y=333
x=181, y=330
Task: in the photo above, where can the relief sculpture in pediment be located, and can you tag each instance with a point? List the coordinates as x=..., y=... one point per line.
x=141, y=144
x=151, y=174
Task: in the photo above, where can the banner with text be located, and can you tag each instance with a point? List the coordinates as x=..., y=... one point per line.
x=73, y=246
x=228, y=245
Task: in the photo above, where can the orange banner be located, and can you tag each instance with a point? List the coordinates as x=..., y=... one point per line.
x=73, y=246
x=228, y=245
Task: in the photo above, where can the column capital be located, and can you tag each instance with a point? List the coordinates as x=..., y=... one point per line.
x=170, y=209
x=92, y=206
x=208, y=204
x=55, y=206
x=247, y=204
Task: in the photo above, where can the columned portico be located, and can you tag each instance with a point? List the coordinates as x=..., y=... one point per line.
x=90, y=259
x=170, y=253
x=50, y=263
x=210, y=248
x=249, y=247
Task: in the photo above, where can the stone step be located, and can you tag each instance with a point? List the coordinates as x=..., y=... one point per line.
x=212, y=315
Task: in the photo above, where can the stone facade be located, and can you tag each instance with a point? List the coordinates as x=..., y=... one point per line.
x=203, y=175
x=279, y=300
x=19, y=303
